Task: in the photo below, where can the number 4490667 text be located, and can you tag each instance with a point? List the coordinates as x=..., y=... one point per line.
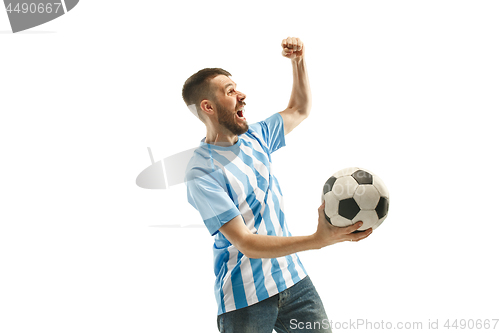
x=471, y=324
x=33, y=8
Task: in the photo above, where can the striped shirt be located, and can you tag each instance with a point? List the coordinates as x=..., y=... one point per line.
x=224, y=182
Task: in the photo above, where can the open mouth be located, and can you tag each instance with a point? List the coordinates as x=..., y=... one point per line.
x=240, y=113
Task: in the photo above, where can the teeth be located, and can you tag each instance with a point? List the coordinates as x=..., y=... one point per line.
x=242, y=113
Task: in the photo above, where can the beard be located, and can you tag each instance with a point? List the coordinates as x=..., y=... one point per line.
x=228, y=120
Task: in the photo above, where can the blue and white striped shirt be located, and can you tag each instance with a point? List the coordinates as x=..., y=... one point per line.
x=224, y=182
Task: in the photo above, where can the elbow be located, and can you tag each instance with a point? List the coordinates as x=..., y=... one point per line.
x=308, y=108
x=305, y=111
x=251, y=255
x=249, y=252
x=247, y=248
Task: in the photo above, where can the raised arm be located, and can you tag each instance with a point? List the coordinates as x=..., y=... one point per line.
x=300, y=102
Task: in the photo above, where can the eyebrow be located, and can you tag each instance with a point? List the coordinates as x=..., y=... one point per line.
x=228, y=85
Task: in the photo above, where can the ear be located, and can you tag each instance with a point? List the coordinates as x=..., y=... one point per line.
x=207, y=107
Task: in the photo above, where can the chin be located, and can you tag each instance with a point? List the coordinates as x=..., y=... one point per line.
x=244, y=128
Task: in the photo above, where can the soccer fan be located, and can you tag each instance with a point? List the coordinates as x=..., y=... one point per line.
x=261, y=283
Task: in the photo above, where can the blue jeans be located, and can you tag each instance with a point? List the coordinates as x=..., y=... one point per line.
x=296, y=309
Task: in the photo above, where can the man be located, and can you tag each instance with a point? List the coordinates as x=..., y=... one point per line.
x=261, y=284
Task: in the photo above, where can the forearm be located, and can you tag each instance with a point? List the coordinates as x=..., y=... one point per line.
x=265, y=246
x=300, y=98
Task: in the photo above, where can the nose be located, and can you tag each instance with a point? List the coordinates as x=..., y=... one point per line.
x=241, y=96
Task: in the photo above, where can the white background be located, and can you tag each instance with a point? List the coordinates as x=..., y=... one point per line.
x=407, y=89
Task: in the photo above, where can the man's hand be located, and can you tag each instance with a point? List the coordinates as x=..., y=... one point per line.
x=328, y=234
x=292, y=48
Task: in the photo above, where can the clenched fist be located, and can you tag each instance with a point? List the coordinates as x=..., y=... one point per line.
x=293, y=48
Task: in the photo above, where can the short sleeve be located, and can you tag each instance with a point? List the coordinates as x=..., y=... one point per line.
x=272, y=131
x=206, y=194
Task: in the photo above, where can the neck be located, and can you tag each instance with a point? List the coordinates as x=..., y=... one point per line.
x=219, y=137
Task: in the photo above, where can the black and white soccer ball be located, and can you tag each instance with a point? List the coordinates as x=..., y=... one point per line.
x=355, y=194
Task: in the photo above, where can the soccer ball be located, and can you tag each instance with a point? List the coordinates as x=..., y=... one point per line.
x=355, y=194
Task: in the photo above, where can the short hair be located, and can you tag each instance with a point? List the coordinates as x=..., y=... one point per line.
x=198, y=88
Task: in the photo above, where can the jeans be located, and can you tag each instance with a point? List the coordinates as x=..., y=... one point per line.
x=296, y=309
